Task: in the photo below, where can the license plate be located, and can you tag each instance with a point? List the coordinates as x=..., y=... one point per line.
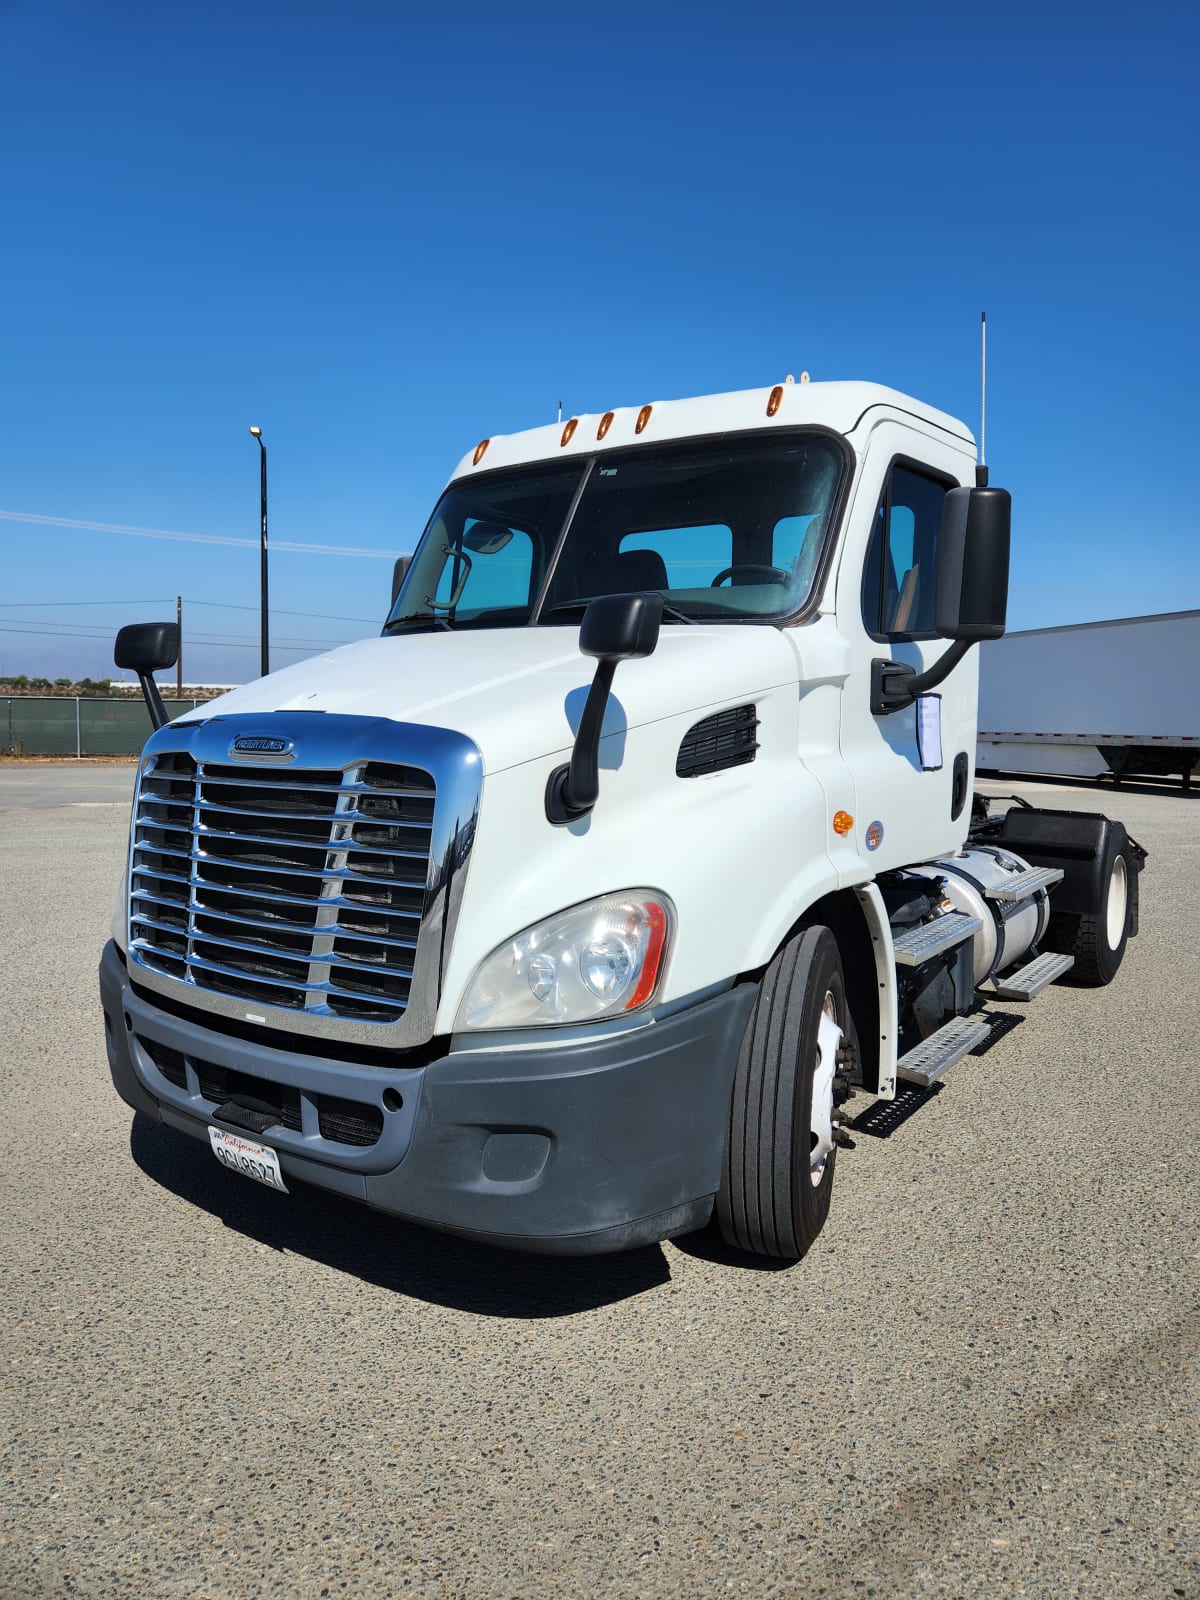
x=257, y=1161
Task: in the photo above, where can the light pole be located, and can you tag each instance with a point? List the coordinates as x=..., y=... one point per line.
x=262, y=495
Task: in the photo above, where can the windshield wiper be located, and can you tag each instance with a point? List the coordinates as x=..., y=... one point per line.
x=581, y=605
x=419, y=616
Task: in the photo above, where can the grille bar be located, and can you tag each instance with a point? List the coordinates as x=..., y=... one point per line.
x=275, y=898
x=308, y=894
x=315, y=870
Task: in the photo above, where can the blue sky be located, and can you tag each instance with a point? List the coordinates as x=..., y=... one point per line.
x=382, y=231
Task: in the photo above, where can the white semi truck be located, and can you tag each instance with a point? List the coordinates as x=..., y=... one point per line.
x=470, y=925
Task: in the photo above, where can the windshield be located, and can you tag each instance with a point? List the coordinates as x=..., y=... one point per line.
x=726, y=530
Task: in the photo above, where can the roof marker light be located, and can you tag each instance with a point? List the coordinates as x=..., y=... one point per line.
x=569, y=431
x=775, y=400
x=479, y=449
x=606, y=422
x=643, y=419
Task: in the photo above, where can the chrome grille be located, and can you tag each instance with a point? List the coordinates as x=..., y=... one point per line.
x=301, y=888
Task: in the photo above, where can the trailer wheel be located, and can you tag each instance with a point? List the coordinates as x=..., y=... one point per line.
x=780, y=1154
x=1099, y=938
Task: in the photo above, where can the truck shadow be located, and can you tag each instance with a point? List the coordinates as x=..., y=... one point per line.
x=394, y=1255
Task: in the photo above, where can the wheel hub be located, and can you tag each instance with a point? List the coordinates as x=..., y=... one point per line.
x=829, y=1039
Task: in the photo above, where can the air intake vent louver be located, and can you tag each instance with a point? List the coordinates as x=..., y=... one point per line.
x=720, y=741
x=294, y=887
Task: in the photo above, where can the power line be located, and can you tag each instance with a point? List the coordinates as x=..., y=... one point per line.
x=219, y=605
x=36, y=519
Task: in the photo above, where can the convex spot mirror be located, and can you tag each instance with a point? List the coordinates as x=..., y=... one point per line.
x=487, y=538
x=147, y=646
x=971, y=599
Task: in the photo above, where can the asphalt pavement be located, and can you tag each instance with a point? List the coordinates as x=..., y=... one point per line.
x=984, y=1380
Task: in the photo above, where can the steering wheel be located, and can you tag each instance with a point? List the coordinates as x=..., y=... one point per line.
x=774, y=574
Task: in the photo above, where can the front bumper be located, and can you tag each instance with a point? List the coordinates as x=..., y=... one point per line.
x=575, y=1147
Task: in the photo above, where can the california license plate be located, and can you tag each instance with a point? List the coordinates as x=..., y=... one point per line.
x=257, y=1161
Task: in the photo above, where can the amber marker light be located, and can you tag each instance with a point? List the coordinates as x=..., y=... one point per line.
x=569, y=431
x=775, y=400
x=605, y=424
x=655, y=944
x=842, y=822
x=479, y=449
x=643, y=419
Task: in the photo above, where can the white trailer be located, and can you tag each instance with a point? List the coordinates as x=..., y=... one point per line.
x=1093, y=698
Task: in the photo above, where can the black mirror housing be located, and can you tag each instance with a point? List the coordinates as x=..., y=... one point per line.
x=399, y=573
x=616, y=627
x=145, y=647
x=971, y=598
x=621, y=627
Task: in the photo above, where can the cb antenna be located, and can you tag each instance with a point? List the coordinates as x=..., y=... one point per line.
x=560, y=410
x=981, y=471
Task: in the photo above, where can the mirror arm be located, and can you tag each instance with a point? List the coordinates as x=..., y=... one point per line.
x=572, y=791
x=895, y=685
x=154, y=701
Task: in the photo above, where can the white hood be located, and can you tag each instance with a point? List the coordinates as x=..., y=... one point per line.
x=518, y=693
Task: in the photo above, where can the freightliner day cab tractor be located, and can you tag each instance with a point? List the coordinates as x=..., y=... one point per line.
x=569, y=913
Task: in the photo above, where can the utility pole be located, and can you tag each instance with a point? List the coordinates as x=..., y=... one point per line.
x=179, y=657
x=262, y=500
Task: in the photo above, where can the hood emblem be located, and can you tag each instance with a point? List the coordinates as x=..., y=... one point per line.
x=261, y=747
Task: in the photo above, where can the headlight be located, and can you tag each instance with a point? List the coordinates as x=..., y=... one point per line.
x=600, y=959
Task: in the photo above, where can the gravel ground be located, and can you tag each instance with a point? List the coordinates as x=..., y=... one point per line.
x=983, y=1381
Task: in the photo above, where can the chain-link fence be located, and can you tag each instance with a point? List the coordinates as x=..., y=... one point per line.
x=50, y=725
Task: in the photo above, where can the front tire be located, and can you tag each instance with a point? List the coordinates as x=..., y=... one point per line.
x=779, y=1157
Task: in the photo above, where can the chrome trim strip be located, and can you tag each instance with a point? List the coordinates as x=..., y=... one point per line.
x=329, y=742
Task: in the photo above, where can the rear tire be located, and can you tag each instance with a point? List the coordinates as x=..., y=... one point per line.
x=1097, y=939
x=778, y=1174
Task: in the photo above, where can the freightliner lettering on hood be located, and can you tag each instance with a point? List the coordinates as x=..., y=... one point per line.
x=518, y=694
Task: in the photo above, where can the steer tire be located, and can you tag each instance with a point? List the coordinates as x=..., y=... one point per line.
x=768, y=1203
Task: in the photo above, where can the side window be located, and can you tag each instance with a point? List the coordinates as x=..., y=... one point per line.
x=692, y=556
x=898, y=583
x=501, y=566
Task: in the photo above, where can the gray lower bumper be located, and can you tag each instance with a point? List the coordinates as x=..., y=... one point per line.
x=574, y=1148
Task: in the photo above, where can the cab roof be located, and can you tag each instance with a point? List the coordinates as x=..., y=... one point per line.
x=838, y=406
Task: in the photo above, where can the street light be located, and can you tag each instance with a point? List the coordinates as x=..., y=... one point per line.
x=262, y=495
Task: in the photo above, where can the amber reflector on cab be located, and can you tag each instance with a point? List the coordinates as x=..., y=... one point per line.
x=776, y=400
x=479, y=449
x=643, y=419
x=569, y=430
x=605, y=424
x=842, y=822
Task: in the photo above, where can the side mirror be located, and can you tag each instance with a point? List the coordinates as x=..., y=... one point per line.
x=146, y=648
x=616, y=627
x=399, y=573
x=621, y=627
x=971, y=597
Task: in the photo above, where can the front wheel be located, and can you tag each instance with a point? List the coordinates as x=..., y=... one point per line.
x=780, y=1152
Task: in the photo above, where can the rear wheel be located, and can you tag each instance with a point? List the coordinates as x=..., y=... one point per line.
x=1097, y=937
x=780, y=1153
